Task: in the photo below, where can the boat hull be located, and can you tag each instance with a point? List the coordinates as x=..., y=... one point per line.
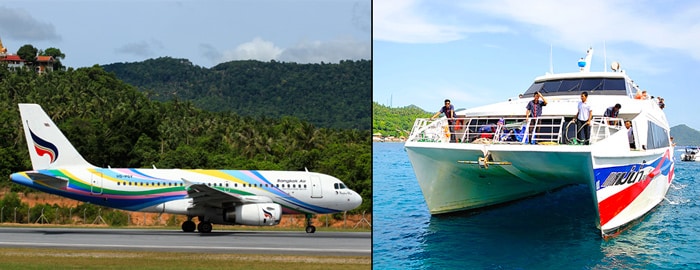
x=624, y=187
x=452, y=180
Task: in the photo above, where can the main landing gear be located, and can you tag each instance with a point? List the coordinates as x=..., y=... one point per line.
x=309, y=228
x=203, y=226
x=206, y=227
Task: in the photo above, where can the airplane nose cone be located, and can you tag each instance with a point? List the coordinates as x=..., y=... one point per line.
x=355, y=200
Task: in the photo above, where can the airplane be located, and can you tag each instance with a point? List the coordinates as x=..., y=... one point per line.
x=245, y=197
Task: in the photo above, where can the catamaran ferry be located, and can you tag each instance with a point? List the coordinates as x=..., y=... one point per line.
x=501, y=155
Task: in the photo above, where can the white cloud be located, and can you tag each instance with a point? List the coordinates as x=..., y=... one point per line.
x=141, y=49
x=329, y=51
x=257, y=49
x=304, y=52
x=401, y=21
x=19, y=24
x=577, y=24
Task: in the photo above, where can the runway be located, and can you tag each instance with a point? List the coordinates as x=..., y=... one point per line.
x=248, y=242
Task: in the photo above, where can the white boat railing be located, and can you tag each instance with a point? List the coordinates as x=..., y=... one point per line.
x=509, y=130
x=604, y=127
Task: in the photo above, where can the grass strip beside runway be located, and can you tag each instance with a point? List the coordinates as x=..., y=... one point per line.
x=40, y=258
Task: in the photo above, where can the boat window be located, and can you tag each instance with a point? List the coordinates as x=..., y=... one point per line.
x=570, y=86
x=551, y=86
x=657, y=137
x=594, y=86
x=615, y=84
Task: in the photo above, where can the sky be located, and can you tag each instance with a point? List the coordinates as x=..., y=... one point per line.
x=205, y=32
x=481, y=52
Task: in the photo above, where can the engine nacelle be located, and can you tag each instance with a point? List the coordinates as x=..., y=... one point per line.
x=255, y=214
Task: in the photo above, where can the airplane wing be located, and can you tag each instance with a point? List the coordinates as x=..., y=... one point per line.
x=205, y=196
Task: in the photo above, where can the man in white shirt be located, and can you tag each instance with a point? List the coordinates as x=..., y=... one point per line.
x=583, y=120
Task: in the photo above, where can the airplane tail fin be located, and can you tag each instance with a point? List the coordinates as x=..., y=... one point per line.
x=48, y=147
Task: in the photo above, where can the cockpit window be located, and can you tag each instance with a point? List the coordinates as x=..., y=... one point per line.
x=339, y=186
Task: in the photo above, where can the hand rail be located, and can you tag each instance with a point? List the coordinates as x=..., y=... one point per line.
x=507, y=130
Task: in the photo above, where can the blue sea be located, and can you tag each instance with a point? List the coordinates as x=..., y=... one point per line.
x=555, y=230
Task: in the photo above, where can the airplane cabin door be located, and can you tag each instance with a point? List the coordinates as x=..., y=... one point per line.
x=316, y=191
x=96, y=184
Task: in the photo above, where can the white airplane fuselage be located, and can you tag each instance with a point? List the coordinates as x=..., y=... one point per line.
x=163, y=190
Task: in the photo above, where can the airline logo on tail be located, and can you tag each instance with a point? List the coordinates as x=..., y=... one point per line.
x=43, y=147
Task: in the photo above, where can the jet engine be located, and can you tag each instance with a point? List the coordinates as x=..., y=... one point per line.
x=255, y=214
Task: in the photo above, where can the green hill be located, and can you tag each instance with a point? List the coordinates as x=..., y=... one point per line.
x=684, y=135
x=327, y=95
x=395, y=122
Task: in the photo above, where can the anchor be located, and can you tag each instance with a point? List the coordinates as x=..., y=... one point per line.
x=485, y=161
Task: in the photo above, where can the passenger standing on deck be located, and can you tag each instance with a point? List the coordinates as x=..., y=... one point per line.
x=630, y=134
x=449, y=111
x=612, y=112
x=534, y=108
x=583, y=119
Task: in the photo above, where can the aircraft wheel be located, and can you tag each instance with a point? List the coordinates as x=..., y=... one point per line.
x=310, y=229
x=188, y=226
x=204, y=227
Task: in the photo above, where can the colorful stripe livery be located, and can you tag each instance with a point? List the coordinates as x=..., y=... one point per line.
x=628, y=182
